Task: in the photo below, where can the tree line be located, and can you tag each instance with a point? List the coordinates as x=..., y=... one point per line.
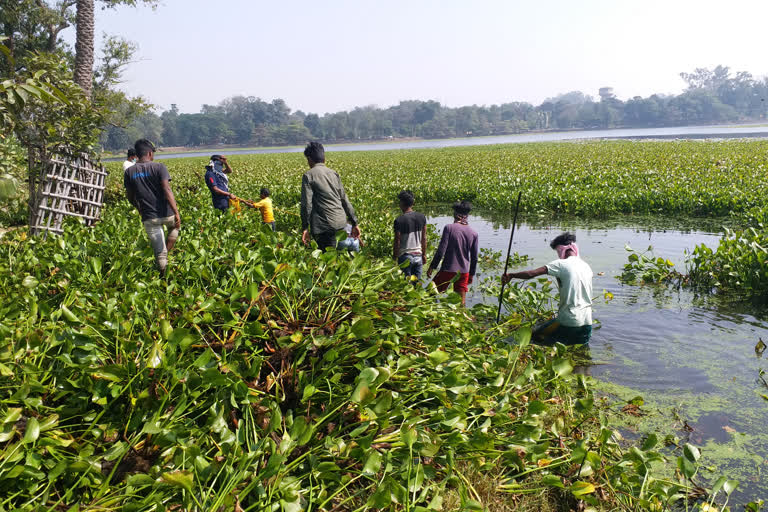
x=711, y=96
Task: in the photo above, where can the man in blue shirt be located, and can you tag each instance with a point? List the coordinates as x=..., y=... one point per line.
x=216, y=178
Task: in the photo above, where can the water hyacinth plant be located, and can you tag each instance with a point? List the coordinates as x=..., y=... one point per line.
x=263, y=375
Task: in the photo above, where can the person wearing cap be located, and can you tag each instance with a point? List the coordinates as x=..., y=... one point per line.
x=573, y=323
x=325, y=208
x=218, y=182
x=148, y=188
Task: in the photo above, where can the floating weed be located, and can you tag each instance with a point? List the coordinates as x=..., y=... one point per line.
x=260, y=375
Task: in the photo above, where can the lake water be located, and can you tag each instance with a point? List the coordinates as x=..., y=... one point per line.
x=677, y=132
x=691, y=358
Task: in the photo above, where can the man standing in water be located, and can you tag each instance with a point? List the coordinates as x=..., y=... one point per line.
x=325, y=207
x=573, y=324
x=148, y=188
x=458, y=250
x=410, y=237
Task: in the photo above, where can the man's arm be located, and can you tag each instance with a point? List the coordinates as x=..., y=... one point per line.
x=424, y=245
x=525, y=274
x=217, y=190
x=306, y=208
x=227, y=169
x=396, y=246
x=171, y=201
x=440, y=252
x=473, y=259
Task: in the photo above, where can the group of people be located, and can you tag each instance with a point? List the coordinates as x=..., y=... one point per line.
x=326, y=211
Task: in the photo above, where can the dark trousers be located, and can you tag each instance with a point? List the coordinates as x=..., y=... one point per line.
x=325, y=239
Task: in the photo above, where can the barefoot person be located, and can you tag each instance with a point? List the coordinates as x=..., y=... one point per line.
x=325, y=207
x=573, y=324
x=458, y=251
x=148, y=188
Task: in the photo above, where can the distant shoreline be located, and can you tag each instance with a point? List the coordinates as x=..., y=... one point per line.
x=340, y=145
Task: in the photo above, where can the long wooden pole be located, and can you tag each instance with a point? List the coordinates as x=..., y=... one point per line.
x=509, y=250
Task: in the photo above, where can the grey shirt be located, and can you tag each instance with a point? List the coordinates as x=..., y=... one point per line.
x=144, y=181
x=324, y=204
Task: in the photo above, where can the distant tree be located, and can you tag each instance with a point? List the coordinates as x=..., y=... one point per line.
x=312, y=123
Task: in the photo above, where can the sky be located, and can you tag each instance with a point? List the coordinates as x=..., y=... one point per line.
x=332, y=55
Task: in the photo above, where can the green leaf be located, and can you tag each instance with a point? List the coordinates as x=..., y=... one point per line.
x=580, y=488
x=691, y=452
x=562, y=367
x=33, y=431
x=372, y=463
x=650, y=442
x=552, y=481
x=274, y=464
x=729, y=486
x=252, y=292
x=408, y=435
x=183, y=479
x=181, y=337
x=439, y=357
x=362, y=328
x=364, y=382
x=13, y=415
x=309, y=390
x=140, y=480
x=686, y=467
x=718, y=485
x=523, y=335
x=30, y=282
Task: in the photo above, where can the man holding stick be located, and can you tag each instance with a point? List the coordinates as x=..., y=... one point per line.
x=573, y=324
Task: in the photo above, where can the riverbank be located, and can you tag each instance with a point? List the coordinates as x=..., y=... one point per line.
x=662, y=133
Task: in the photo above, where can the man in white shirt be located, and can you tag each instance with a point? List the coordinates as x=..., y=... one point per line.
x=573, y=324
x=132, y=158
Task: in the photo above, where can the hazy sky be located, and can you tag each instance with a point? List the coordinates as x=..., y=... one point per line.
x=331, y=55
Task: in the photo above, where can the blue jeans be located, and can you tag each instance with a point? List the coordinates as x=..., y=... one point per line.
x=414, y=266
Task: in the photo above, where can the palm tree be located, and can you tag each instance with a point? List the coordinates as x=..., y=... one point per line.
x=84, y=45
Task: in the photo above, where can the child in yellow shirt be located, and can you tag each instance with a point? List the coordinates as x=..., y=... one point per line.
x=265, y=205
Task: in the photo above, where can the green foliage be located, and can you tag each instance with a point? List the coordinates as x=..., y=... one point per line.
x=598, y=179
x=644, y=267
x=261, y=372
x=739, y=265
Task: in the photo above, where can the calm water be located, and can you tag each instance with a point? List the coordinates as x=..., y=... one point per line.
x=691, y=358
x=681, y=132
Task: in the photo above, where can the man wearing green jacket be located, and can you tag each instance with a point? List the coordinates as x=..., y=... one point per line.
x=325, y=208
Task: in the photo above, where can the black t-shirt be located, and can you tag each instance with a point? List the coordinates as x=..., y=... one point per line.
x=144, y=180
x=410, y=226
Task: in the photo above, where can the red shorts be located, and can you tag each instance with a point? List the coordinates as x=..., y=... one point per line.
x=443, y=278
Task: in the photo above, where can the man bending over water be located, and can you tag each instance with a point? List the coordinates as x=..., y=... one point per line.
x=573, y=324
